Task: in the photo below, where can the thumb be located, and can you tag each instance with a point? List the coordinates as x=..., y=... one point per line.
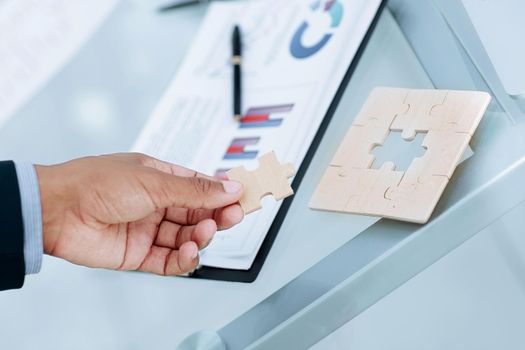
x=193, y=192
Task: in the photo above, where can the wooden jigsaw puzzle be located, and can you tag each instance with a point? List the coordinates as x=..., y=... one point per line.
x=270, y=178
x=449, y=119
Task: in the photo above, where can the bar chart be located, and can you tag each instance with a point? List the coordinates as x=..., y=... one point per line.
x=260, y=117
x=237, y=148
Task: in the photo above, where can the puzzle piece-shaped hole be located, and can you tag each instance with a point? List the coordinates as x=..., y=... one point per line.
x=399, y=151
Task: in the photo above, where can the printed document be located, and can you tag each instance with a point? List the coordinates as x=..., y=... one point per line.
x=295, y=56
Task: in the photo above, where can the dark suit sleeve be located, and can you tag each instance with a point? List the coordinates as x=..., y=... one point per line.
x=12, y=266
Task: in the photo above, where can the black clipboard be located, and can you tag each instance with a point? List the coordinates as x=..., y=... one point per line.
x=250, y=275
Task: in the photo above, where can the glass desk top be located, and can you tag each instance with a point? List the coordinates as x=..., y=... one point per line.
x=98, y=104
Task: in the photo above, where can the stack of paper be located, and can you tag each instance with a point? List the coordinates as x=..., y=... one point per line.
x=296, y=54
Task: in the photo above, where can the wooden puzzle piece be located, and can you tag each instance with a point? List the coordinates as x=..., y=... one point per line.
x=355, y=150
x=443, y=153
x=381, y=107
x=461, y=112
x=270, y=178
x=449, y=118
x=418, y=117
x=410, y=199
x=335, y=189
x=374, y=201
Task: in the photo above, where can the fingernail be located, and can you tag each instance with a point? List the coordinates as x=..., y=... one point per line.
x=195, y=254
x=231, y=186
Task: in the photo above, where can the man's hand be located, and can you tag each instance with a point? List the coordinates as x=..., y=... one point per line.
x=133, y=212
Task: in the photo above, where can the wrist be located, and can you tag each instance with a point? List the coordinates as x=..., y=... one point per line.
x=53, y=202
